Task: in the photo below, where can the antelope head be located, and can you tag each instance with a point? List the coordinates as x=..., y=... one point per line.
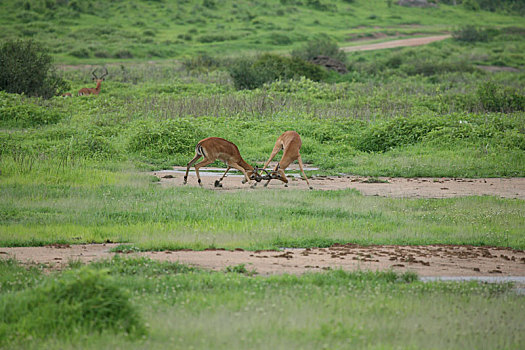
x=101, y=78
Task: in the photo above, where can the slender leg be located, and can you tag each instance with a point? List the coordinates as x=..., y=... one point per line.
x=204, y=162
x=276, y=150
x=218, y=182
x=302, y=171
x=241, y=169
x=227, y=169
x=197, y=156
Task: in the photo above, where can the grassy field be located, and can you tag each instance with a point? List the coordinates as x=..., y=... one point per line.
x=95, y=31
x=167, y=305
x=75, y=170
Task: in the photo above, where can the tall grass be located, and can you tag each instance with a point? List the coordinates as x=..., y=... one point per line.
x=154, y=217
x=187, y=308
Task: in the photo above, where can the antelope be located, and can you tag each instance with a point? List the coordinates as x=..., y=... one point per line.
x=67, y=94
x=213, y=148
x=93, y=91
x=290, y=142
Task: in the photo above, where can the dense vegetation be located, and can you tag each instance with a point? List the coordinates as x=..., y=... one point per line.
x=179, y=307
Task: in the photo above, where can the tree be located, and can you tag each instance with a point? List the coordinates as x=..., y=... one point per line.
x=26, y=67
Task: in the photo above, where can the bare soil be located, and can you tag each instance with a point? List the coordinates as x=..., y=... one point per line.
x=431, y=260
x=396, y=43
x=382, y=186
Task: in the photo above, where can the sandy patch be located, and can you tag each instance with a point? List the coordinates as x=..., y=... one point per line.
x=387, y=187
x=431, y=260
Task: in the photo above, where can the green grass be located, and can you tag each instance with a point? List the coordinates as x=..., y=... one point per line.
x=91, y=31
x=154, y=217
x=186, y=308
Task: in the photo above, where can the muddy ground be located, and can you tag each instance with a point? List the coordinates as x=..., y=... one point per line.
x=383, y=186
x=431, y=260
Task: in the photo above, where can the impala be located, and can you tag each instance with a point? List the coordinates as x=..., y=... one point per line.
x=213, y=148
x=290, y=142
x=93, y=91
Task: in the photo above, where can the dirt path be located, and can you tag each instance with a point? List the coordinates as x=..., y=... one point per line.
x=386, y=187
x=431, y=260
x=396, y=43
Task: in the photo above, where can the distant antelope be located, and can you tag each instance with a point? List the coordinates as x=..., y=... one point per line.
x=67, y=94
x=213, y=148
x=290, y=142
x=93, y=91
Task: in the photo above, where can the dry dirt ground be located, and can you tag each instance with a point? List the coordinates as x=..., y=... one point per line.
x=431, y=260
x=383, y=186
x=396, y=43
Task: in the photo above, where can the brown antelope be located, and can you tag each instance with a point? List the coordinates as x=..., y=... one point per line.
x=93, y=91
x=67, y=94
x=290, y=142
x=213, y=148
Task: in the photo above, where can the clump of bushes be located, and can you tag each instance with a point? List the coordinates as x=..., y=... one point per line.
x=25, y=115
x=81, y=301
x=397, y=132
x=27, y=68
x=495, y=98
x=470, y=34
x=251, y=73
x=163, y=139
x=323, y=46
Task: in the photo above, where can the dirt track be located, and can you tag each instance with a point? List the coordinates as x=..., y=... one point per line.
x=391, y=187
x=432, y=260
x=396, y=43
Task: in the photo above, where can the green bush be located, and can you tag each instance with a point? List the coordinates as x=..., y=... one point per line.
x=470, y=34
x=252, y=73
x=27, y=68
x=162, y=139
x=320, y=47
x=27, y=115
x=495, y=98
x=84, y=301
x=397, y=132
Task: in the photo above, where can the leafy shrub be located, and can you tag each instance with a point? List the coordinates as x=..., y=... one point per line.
x=84, y=301
x=470, y=34
x=320, y=47
x=27, y=68
x=397, y=132
x=27, y=115
x=430, y=67
x=201, y=62
x=496, y=98
x=252, y=73
x=80, y=53
x=162, y=139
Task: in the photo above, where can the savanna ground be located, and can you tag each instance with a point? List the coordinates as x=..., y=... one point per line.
x=444, y=131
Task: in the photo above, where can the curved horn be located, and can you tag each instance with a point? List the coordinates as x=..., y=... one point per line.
x=106, y=73
x=93, y=73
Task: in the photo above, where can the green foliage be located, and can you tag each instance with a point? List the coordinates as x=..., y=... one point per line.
x=28, y=115
x=470, y=34
x=250, y=73
x=496, y=98
x=84, y=301
x=397, y=132
x=163, y=139
x=27, y=68
x=322, y=46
